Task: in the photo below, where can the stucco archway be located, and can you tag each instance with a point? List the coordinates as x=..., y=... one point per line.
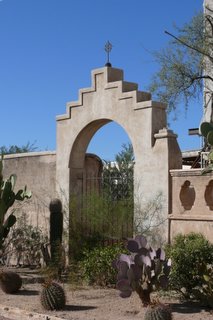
x=110, y=98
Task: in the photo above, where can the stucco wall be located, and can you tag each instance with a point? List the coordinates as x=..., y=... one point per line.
x=111, y=98
x=37, y=170
x=192, y=203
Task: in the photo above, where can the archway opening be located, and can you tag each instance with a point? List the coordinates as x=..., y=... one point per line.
x=107, y=142
x=102, y=161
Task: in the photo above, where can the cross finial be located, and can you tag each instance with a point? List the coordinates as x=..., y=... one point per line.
x=108, y=48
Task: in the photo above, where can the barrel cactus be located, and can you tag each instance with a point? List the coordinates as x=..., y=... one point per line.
x=52, y=296
x=10, y=282
x=143, y=271
x=158, y=311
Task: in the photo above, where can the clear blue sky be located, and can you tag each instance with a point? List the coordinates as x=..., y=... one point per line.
x=49, y=47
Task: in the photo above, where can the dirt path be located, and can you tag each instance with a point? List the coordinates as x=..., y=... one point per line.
x=93, y=304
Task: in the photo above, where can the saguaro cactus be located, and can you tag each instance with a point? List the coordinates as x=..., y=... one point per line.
x=7, y=199
x=56, y=229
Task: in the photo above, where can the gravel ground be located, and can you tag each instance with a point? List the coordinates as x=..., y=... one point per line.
x=96, y=304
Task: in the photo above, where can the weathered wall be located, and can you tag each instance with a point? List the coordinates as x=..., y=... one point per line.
x=110, y=98
x=192, y=203
x=37, y=170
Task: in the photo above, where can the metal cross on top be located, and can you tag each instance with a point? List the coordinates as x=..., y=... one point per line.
x=108, y=48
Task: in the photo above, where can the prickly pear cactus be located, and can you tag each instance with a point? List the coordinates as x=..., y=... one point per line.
x=158, y=311
x=206, y=130
x=52, y=296
x=143, y=270
x=7, y=200
x=10, y=282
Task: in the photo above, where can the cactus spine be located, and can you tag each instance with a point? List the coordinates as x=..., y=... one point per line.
x=52, y=296
x=158, y=312
x=56, y=229
x=10, y=281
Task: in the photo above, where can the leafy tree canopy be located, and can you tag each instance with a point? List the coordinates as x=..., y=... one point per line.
x=185, y=63
x=29, y=147
x=123, y=164
x=125, y=158
x=118, y=175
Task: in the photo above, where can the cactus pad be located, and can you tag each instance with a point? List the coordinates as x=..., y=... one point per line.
x=52, y=296
x=143, y=270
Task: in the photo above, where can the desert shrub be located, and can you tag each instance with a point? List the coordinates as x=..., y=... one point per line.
x=97, y=265
x=100, y=218
x=23, y=246
x=81, y=243
x=150, y=221
x=204, y=293
x=189, y=254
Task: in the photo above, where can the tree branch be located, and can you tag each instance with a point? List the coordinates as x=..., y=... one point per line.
x=189, y=46
x=209, y=9
x=209, y=19
x=203, y=77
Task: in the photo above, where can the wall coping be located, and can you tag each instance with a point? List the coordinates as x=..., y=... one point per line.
x=188, y=217
x=29, y=154
x=188, y=172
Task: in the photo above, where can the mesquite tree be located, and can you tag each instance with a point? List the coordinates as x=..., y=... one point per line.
x=186, y=64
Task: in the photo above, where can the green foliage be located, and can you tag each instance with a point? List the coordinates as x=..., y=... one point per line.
x=158, y=311
x=142, y=271
x=24, y=242
x=118, y=176
x=189, y=254
x=99, y=218
x=204, y=293
x=7, y=199
x=96, y=266
x=106, y=210
x=52, y=296
x=206, y=130
x=29, y=147
x=184, y=63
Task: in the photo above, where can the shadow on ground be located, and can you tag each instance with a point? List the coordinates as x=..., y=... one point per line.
x=78, y=308
x=28, y=292
x=188, y=307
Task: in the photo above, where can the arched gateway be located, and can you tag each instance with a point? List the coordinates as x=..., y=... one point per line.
x=110, y=98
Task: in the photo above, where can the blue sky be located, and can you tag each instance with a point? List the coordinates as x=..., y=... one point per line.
x=49, y=47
